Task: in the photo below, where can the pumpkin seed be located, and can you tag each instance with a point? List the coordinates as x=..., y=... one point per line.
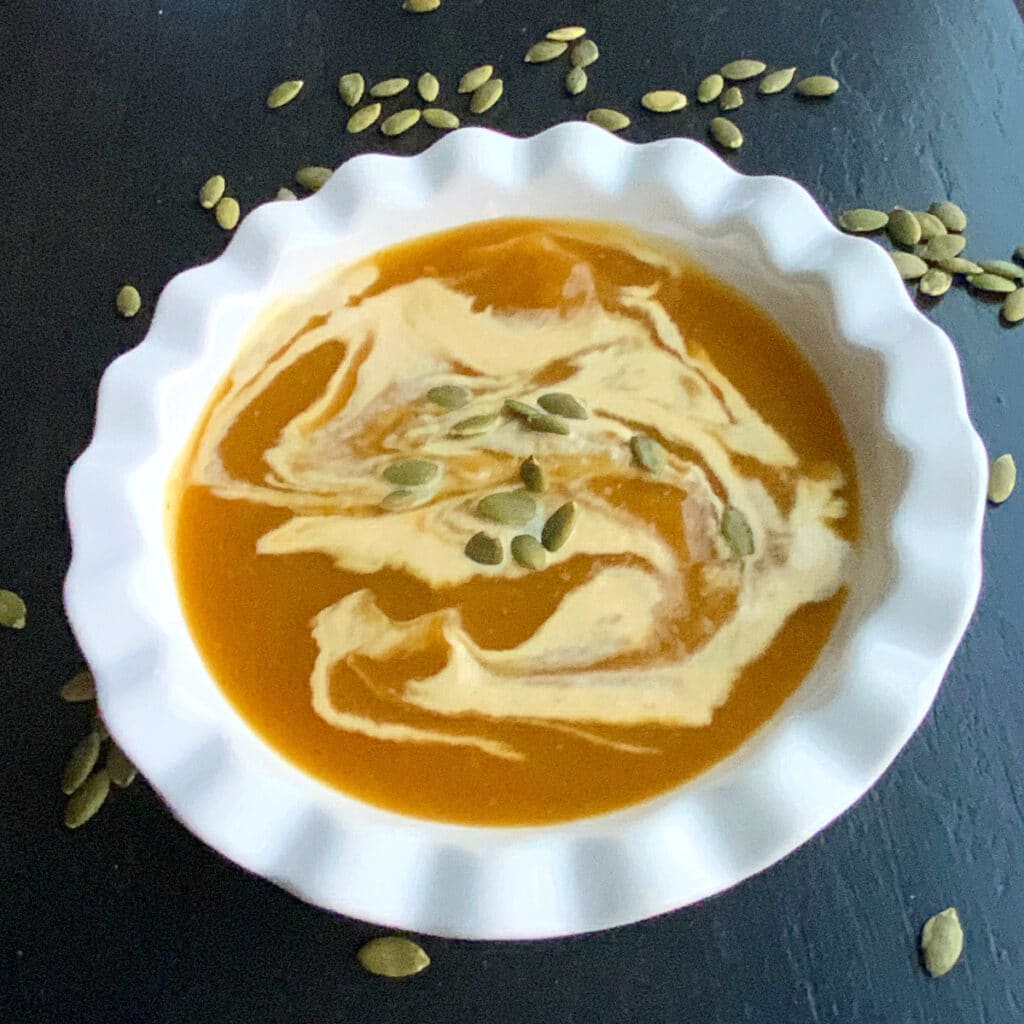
x=393, y=956
x=474, y=425
x=942, y=942
x=862, y=220
x=991, y=283
x=80, y=687
x=935, y=282
x=725, y=133
x=545, y=50
x=610, y=120
x=575, y=81
x=1013, y=307
x=533, y=476
x=121, y=771
x=904, y=228
x=950, y=214
x=1003, y=268
x=362, y=119
x=351, y=88
x=411, y=472
x=400, y=121
x=566, y=34
x=528, y=551
x=80, y=763
x=911, y=267
x=421, y=6
x=736, y=531
x=559, y=526
x=510, y=508
x=449, y=396
x=87, y=799
x=395, y=501
x=662, y=101
x=12, y=610
x=1002, y=478
x=545, y=423
x=931, y=226
x=128, y=301
x=313, y=178
x=817, y=86
x=428, y=87
x=647, y=453
x=517, y=408
x=486, y=96
x=958, y=265
x=389, y=87
x=776, y=81
x=944, y=247
x=742, y=69
x=731, y=98
x=475, y=77
x=211, y=191
x=283, y=92
x=227, y=212
x=710, y=89
x=584, y=53
x=484, y=549
x=436, y=117
x=559, y=403
x=286, y=194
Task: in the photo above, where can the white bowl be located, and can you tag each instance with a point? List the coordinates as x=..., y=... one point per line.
x=894, y=378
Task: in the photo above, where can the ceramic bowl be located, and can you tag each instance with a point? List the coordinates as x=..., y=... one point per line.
x=892, y=374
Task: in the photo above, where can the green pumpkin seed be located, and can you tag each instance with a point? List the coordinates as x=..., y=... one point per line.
x=528, y=552
x=911, y=267
x=904, y=228
x=710, y=89
x=958, y=265
x=663, y=101
x=1002, y=478
x=400, y=121
x=484, y=549
x=211, y=191
x=610, y=120
x=931, y=226
x=486, y=96
x=1013, y=307
x=647, y=453
x=411, y=472
x=421, y=6
x=942, y=942
x=475, y=425
x=227, y=212
x=944, y=247
x=991, y=283
x=776, y=81
x=285, y=194
x=559, y=526
x=544, y=423
x=396, y=501
x=817, y=86
x=12, y=610
x=1003, y=268
x=362, y=119
x=517, y=408
x=863, y=220
x=283, y=93
x=351, y=88
x=436, y=117
x=731, y=98
x=510, y=508
x=566, y=34
x=737, y=533
x=575, y=81
x=545, y=50
x=475, y=77
x=428, y=87
x=313, y=178
x=740, y=70
x=950, y=214
x=389, y=87
x=533, y=476
x=449, y=396
x=559, y=403
x=87, y=799
x=725, y=133
x=121, y=771
x=584, y=53
x=128, y=300
x=393, y=956
x=80, y=763
x=935, y=282
x=79, y=688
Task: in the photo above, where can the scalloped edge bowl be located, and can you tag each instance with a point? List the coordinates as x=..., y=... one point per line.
x=893, y=375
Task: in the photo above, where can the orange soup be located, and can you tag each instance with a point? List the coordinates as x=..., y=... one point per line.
x=405, y=610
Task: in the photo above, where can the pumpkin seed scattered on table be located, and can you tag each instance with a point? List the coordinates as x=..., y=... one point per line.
x=437, y=117
x=351, y=88
x=904, y=228
x=396, y=501
x=545, y=423
x=128, y=300
x=566, y=34
x=283, y=93
x=776, y=81
x=725, y=133
x=313, y=178
x=87, y=799
x=661, y=101
x=742, y=69
x=575, y=81
x=737, y=533
x=80, y=763
x=950, y=214
x=942, y=942
x=486, y=96
x=559, y=403
x=545, y=50
x=610, y=120
x=227, y=212
x=421, y=6
x=931, y=226
x=584, y=53
x=484, y=549
x=411, y=472
x=991, y=283
x=559, y=526
x=121, y=771
x=647, y=453
x=510, y=508
x=935, y=282
x=532, y=474
x=528, y=551
x=1002, y=478
x=817, y=86
x=393, y=956
x=731, y=99
x=211, y=191
x=428, y=87
x=958, y=265
x=710, y=88
x=362, y=119
x=1013, y=307
x=286, y=194
x=472, y=426
x=12, y=610
x=862, y=220
x=1003, y=268
x=449, y=396
x=910, y=267
x=943, y=247
x=400, y=121
x=517, y=408
x=475, y=77
x=389, y=87
x=79, y=688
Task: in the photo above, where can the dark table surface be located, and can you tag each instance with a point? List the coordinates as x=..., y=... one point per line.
x=112, y=114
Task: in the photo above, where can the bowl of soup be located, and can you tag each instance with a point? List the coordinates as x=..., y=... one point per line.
x=526, y=537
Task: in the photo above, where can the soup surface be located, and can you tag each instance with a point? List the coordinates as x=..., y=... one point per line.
x=335, y=603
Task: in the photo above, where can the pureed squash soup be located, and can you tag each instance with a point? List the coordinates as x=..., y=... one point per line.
x=348, y=574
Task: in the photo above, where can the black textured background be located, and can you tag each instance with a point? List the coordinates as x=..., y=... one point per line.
x=111, y=115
